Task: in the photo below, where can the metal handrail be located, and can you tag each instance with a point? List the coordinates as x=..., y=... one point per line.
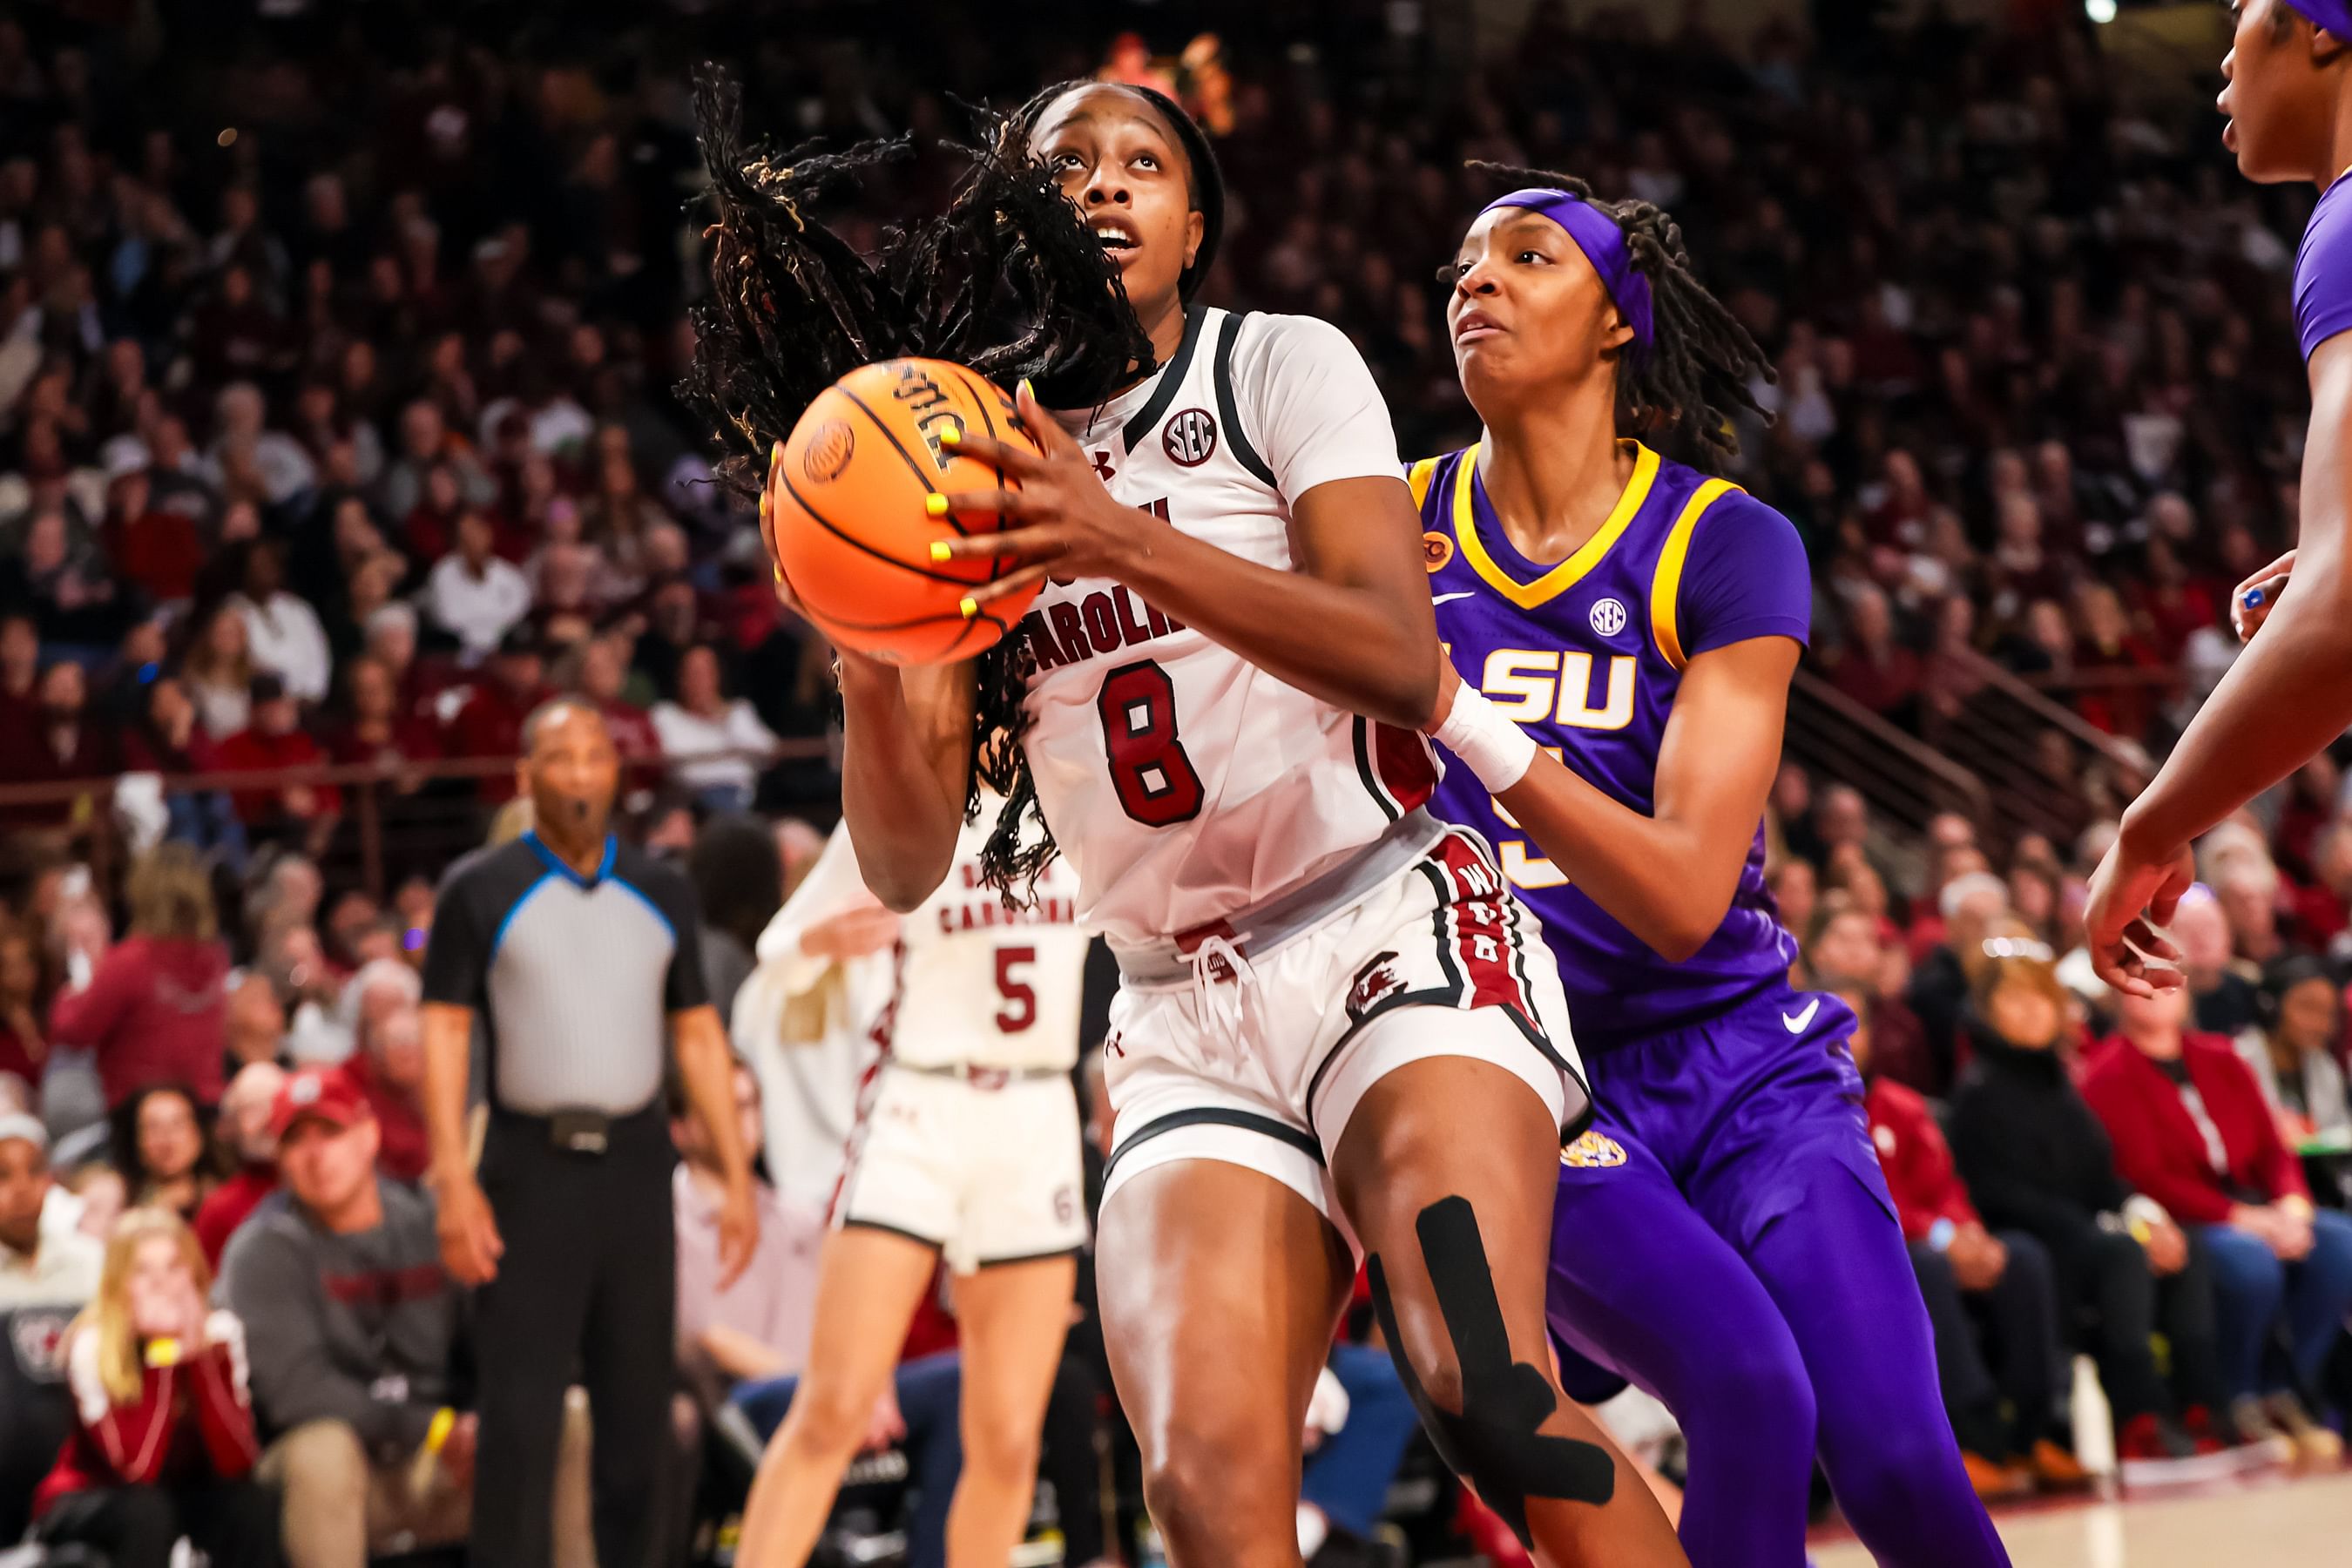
x=2048, y=713
x=1897, y=773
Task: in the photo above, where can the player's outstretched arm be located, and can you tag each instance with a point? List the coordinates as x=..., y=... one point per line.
x=2288, y=695
x=1669, y=876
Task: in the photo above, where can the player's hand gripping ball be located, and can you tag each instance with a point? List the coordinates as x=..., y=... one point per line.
x=854, y=511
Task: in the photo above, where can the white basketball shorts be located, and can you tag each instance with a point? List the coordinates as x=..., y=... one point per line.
x=985, y=1167
x=1255, y=1048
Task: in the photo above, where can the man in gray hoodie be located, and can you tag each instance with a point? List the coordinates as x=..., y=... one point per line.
x=353, y=1332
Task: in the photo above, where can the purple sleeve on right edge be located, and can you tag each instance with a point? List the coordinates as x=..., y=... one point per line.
x=2323, y=271
x=1746, y=576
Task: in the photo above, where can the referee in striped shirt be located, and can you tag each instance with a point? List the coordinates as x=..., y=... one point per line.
x=578, y=955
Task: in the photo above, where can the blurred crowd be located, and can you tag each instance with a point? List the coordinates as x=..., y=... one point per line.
x=337, y=348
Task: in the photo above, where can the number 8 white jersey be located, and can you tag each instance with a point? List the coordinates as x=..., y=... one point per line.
x=1183, y=782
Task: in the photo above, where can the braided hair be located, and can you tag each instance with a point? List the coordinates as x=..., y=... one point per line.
x=1699, y=365
x=1008, y=280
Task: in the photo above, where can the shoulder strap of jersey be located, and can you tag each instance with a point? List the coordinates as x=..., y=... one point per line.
x=1666, y=582
x=1171, y=379
x=1227, y=412
x=1419, y=477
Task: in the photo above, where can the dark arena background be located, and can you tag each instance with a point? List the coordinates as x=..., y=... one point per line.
x=342, y=428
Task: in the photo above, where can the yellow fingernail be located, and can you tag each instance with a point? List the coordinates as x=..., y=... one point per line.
x=776, y=454
x=936, y=505
x=950, y=436
x=970, y=606
x=780, y=574
x=1026, y=387
x=940, y=553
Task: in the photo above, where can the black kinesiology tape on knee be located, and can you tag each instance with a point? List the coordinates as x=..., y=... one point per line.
x=1496, y=1443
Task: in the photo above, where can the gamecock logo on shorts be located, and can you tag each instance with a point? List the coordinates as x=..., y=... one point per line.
x=1376, y=981
x=1592, y=1152
x=1189, y=437
x=1066, y=1204
x=828, y=452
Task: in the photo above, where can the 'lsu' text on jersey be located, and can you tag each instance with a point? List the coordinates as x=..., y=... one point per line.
x=1184, y=783
x=1588, y=655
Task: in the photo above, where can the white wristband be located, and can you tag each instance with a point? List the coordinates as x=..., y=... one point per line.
x=1489, y=745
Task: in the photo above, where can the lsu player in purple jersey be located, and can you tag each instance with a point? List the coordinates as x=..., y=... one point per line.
x=1624, y=627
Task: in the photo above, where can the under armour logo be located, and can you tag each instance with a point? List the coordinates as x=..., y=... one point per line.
x=1103, y=470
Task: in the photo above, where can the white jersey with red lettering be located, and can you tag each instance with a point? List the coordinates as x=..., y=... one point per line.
x=1183, y=782
x=973, y=983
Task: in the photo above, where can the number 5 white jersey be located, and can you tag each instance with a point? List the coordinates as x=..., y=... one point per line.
x=973, y=982
x=1183, y=782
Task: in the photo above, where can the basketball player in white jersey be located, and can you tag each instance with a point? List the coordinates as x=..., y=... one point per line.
x=965, y=1150
x=1337, y=1033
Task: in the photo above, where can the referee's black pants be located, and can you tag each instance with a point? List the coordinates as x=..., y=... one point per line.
x=587, y=1285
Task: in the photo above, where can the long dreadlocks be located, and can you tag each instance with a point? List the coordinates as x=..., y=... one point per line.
x=1699, y=367
x=1008, y=280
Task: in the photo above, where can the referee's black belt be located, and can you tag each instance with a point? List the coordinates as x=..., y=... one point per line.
x=582, y=1130
x=981, y=1076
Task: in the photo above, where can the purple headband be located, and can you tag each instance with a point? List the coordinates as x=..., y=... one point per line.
x=1603, y=243
x=2330, y=16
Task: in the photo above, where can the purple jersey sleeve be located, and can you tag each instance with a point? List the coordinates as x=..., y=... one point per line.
x=1746, y=576
x=2323, y=271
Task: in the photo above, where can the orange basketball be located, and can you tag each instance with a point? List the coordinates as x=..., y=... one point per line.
x=847, y=491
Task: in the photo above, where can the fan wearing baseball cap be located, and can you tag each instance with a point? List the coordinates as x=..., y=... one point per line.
x=40, y=1265
x=351, y=1323
x=2287, y=87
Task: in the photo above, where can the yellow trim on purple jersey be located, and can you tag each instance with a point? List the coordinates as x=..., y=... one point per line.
x=1564, y=576
x=1418, y=477
x=1667, y=583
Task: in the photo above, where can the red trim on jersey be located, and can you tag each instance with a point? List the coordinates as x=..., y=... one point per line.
x=1482, y=935
x=869, y=1084
x=1188, y=943
x=1404, y=766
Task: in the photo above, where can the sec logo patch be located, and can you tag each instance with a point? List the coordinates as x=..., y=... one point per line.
x=1592, y=1152
x=1189, y=437
x=1608, y=617
x=1437, y=550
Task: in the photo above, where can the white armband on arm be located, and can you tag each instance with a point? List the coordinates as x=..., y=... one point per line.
x=1489, y=745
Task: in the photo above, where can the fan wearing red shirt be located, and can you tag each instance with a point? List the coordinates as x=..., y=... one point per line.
x=604, y=671
x=163, y=1444
x=2192, y=1130
x=378, y=732
x=245, y=1127
x=488, y=721
x=274, y=739
x=156, y=547
x=1955, y=1256
x=56, y=743
x=155, y=1009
